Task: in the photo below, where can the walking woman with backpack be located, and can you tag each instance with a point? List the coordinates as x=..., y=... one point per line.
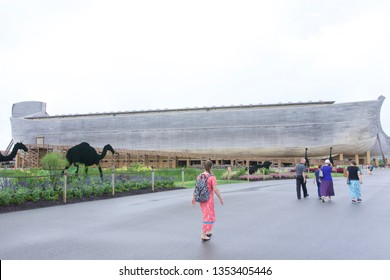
x=205, y=197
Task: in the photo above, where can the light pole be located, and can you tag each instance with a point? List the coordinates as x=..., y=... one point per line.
x=306, y=158
x=330, y=155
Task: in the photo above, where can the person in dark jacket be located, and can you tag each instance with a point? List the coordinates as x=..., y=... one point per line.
x=300, y=172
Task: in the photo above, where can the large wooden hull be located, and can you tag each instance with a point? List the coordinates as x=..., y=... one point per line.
x=275, y=130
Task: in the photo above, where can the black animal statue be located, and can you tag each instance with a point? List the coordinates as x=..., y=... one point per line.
x=330, y=155
x=254, y=168
x=83, y=153
x=11, y=156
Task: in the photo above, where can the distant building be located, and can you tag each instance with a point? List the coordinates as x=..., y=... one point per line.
x=275, y=130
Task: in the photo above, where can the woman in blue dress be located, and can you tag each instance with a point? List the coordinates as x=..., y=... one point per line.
x=326, y=188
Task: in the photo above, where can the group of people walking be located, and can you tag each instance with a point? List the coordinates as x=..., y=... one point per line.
x=324, y=181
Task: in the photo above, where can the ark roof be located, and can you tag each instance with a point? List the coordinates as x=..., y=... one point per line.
x=214, y=108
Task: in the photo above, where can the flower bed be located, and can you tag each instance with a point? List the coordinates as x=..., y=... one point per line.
x=21, y=190
x=271, y=176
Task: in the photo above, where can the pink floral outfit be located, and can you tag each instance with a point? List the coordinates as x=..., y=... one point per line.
x=208, y=206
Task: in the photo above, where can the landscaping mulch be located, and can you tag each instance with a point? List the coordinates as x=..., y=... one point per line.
x=45, y=203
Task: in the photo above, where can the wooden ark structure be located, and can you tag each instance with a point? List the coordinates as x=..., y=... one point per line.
x=229, y=135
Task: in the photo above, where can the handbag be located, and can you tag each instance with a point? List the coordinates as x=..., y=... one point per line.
x=321, y=174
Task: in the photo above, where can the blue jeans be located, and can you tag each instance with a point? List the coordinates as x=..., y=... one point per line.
x=318, y=187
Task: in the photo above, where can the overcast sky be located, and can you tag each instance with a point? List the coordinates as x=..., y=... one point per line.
x=100, y=56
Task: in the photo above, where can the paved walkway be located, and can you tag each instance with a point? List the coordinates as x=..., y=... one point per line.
x=260, y=220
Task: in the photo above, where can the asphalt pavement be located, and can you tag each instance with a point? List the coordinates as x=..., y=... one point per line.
x=260, y=220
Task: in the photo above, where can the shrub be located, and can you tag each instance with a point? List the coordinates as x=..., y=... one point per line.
x=50, y=194
x=107, y=189
x=35, y=194
x=88, y=191
x=234, y=175
x=53, y=161
x=164, y=182
x=99, y=190
x=75, y=192
x=6, y=196
x=262, y=171
x=20, y=196
x=139, y=167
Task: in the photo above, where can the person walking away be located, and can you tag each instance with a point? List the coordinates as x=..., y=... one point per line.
x=317, y=180
x=355, y=179
x=326, y=187
x=300, y=172
x=369, y=169
x=207, y=207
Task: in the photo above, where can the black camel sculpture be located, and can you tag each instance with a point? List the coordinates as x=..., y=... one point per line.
x=11, y=156
x=83, y=153
x=254, y=168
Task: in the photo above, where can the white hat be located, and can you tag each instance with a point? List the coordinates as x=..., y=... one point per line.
x=327, y=161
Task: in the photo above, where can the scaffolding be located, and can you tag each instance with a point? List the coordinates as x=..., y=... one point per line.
x=156, y=159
